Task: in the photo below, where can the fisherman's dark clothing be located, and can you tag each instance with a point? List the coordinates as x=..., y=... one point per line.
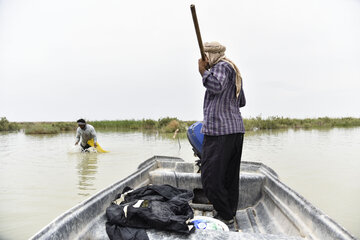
x=224, y=133
x=220, y=167
x=84, y=147
x=160, y=207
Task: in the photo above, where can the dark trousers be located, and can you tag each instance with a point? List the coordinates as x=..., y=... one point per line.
x=220, y=169
x=85, y=147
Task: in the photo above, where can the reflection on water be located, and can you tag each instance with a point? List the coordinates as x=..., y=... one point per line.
x=87, y=168
x=39, y=179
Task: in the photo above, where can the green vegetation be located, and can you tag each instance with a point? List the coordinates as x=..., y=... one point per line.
x=47, y=127
x=284, y=123
x=5, y=125
x=169, y=125
x=125, y=124
x=166, y=125
x=41, y=129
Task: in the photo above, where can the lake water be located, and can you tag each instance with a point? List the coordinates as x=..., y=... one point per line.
x=40, y=177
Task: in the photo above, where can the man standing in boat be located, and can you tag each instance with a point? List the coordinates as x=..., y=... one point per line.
x=223, y=129
x=86, y=132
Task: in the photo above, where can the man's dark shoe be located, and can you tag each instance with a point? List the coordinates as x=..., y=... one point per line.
x=227, y=222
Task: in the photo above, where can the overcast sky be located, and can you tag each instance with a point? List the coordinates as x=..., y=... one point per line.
x=108, y=60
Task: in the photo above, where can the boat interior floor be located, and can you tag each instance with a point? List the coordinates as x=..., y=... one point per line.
x=258, y=215
x=253, y=221
x=267, y=208
x=247, y=227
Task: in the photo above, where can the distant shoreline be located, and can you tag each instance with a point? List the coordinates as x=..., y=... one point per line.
x=169, y=125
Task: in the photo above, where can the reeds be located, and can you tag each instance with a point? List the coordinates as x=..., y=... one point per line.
x=163, y=124
x=41, y=129
x=5, y=125
x=48, y=127
x=284, y=123
x=169, y=125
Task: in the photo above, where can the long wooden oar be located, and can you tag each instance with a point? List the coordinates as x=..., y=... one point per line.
x=197, y=30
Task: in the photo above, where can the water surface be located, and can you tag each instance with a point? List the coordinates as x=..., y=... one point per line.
x=41, y=178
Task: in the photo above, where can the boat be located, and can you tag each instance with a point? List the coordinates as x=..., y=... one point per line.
x=268, y=209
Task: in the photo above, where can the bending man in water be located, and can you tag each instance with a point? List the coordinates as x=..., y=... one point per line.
x=86, y=132
x=224, y=131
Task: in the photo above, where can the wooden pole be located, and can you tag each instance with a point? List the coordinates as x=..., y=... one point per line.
x=197, y=30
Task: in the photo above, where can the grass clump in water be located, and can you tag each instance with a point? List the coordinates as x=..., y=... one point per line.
x=172, y=126
x=169, y=125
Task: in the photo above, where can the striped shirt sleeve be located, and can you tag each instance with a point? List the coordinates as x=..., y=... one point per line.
x=215, y=79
